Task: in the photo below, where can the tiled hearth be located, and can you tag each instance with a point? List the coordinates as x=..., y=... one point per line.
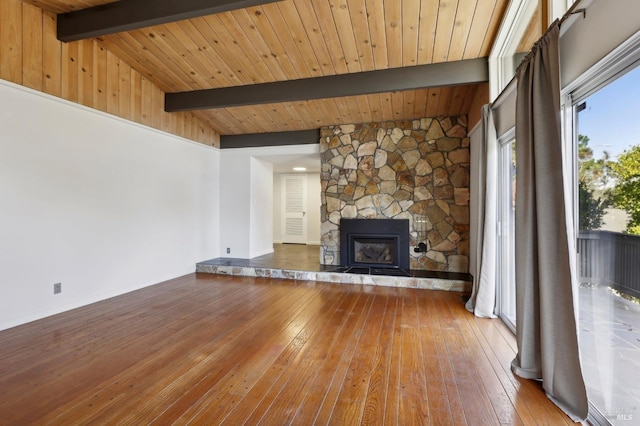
x=300, y=262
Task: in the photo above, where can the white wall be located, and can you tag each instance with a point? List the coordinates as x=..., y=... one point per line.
x=236, y=195
x=235, y=201
x=313, y=208
x=100, y=204
x=277, y=208
x=261, y=213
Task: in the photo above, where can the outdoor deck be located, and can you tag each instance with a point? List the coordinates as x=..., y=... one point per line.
x=609, y=329
x=609, y=324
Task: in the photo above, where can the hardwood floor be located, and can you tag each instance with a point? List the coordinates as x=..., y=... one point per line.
x=291, y=256
x=206, y=349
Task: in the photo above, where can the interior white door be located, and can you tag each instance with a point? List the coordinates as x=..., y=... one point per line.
x=294, y=208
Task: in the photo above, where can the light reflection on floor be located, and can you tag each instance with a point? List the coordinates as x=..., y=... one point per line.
x=609, y=329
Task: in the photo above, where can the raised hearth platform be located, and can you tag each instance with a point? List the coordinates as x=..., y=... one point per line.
x=449, y=281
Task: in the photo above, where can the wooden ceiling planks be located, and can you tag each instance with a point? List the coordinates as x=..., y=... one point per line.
x=61, y=6
x=289, y=18
x=469, y=98
x=446, y=20
x=224, y=122
x=479, y=30
x=385, y=103
x=397, y=103
x=160, y=72
x=250, y=28
x=427, y=34
x=360, y=26
x=393, y=28
x=343, y=24
x=457, y=99
x=377, y=33
x=433, y=100
x=174, y=42
x=444, y=101
x=410, y=32
x=409, y=101
x=294, y=39
x=462, y=27
x=218, y=49
x=340, y=108
x=313, y=35
x=322, y=10
x=489, y=34
x=232, y=43
x=420, y=103
x=352, y=109
x=348, y=27
x=210, y=65
x=375, y=108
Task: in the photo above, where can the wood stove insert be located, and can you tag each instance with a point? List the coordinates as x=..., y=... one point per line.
x=374, y=243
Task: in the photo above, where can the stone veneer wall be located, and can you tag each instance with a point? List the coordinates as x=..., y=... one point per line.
x=402, y=169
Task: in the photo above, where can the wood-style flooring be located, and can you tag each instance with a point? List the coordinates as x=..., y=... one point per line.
x=206, y=349
x=298, y=257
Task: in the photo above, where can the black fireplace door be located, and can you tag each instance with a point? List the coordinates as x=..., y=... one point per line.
x=374, y=243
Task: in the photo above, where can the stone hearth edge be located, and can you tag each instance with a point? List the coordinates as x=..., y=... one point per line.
x=338, y=277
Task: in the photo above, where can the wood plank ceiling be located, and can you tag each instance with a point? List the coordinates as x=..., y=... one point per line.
x=296, y=39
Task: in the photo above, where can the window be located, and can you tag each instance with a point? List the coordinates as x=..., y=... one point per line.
x=607, y=149
x=524, y=26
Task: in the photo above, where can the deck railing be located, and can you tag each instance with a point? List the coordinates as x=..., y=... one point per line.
x=610, y=258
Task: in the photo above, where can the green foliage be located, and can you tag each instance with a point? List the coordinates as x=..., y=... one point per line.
x=594, y=176
x=584, y=152
x=626, y=194
x=590, y=208
x=595, y=173
x=633, y=230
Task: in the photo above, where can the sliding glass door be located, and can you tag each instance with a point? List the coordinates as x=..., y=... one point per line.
x=506, y=229
x=608, y=244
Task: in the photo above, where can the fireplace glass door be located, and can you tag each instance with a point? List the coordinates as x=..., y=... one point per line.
x=374, y=251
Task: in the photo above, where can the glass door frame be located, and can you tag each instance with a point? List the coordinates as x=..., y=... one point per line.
x=505, y=263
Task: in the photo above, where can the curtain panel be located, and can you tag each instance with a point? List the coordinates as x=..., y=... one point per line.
x=546, y=328
x=483, y=297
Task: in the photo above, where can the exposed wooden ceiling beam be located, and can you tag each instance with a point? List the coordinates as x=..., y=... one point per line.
x=299, y=137
x=469, y=71
x=126, y=15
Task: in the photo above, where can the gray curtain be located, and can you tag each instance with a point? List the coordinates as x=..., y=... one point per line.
x=545, y=315
x=483, y=298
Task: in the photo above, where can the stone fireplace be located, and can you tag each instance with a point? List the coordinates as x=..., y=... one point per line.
x=399, y=170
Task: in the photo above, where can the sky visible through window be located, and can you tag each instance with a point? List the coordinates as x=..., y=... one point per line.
x=612, y=117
